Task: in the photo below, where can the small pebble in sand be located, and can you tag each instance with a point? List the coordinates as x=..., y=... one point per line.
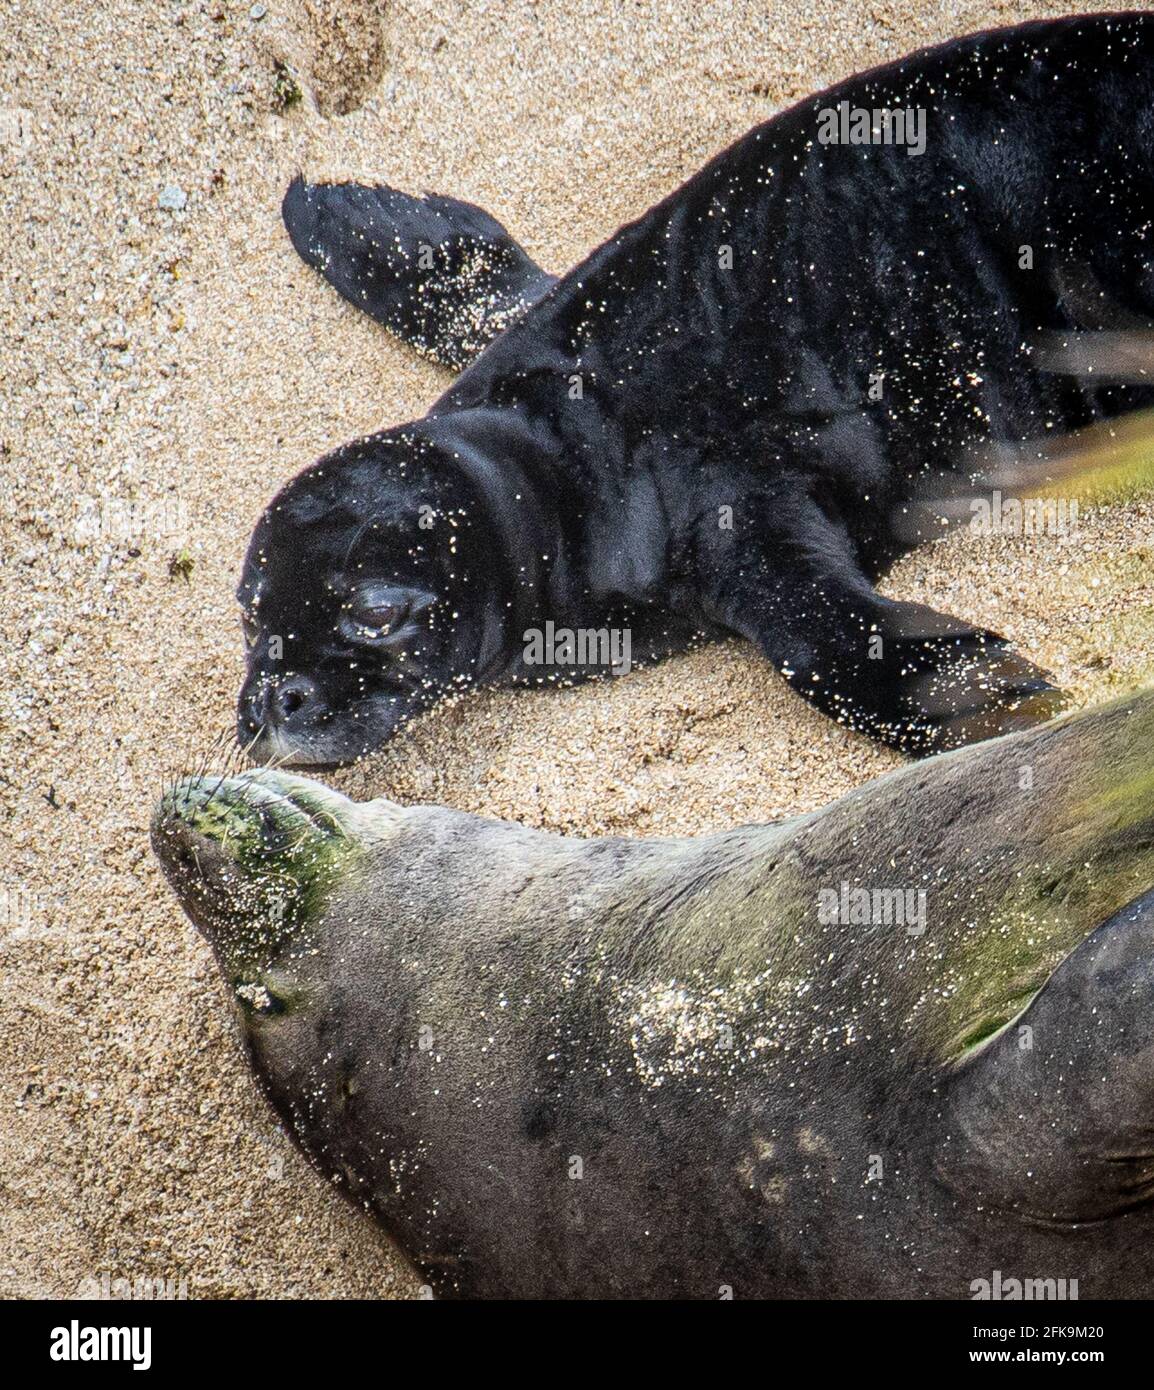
x=172, y=198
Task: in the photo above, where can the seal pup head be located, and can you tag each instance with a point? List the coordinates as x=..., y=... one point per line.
x=374, y=585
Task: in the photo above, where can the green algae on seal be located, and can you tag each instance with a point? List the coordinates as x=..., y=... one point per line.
x=555, y=1067
x=253, y=858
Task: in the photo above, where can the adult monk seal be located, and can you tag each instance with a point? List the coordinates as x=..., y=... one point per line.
x=881, y=1050
x=717, y=422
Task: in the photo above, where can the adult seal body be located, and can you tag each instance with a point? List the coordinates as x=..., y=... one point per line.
x=882, y=1050
x=720, y=421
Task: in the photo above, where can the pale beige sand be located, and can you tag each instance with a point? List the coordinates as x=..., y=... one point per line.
x=186, y=356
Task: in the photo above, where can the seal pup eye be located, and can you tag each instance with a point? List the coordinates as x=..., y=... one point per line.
x=377, y=612
x=376, y=616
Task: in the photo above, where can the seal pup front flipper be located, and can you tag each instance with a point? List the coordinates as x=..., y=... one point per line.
x=442, y=275
x=922, y=681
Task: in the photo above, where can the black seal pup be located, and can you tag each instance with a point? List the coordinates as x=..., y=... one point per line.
x=718, y=422
x=883, y=1050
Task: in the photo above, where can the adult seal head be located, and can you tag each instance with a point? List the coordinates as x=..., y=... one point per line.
x=881, y=1050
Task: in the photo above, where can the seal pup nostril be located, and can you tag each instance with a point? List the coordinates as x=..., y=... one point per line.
x=284, y=717
x=292, y=695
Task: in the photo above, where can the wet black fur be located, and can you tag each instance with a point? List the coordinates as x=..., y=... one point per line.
x=705, y=388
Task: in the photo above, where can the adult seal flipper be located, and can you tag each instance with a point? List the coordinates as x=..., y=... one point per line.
x=442, y=275
x=1053, y=1120
x=766, y=1061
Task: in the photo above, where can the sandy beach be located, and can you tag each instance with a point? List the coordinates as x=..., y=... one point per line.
x=166, y=364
